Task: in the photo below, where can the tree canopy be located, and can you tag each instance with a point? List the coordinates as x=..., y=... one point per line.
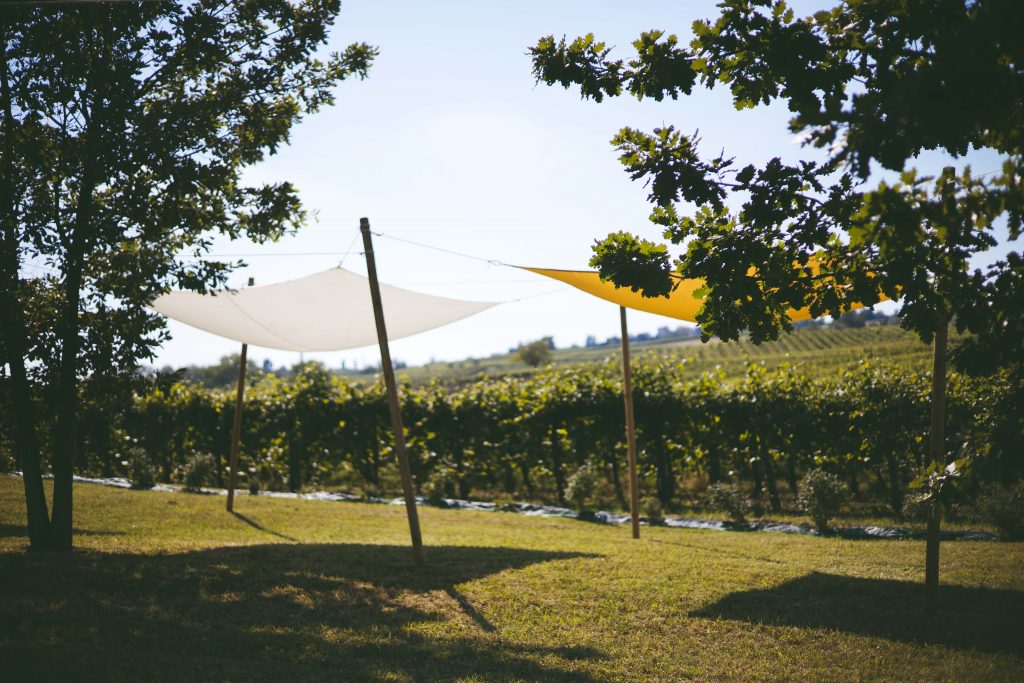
x=124, y=132
x=535, y=353
x=871, y=84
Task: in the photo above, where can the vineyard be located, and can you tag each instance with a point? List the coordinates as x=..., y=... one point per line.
x=715, y=413
x=814, y=348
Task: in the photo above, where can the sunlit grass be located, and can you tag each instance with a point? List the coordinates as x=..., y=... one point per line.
x=172, y=586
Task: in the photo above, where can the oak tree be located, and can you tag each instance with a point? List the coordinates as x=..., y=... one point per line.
x=125, y=128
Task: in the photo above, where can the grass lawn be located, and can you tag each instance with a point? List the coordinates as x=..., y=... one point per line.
x=170, y=586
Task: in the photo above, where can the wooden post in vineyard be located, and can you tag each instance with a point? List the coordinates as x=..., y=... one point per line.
x=389, y=382
x=627, y=395
x=936, y=452
x=236, y=427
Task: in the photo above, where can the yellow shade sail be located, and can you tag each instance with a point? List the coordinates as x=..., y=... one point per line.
x=680, y=304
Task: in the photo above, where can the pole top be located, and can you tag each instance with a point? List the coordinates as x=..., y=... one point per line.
x=364, y=224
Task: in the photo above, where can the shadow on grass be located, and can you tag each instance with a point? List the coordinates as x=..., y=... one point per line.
x=21, y=531
x=989, y=620
x=319, y=612
x=259, y=527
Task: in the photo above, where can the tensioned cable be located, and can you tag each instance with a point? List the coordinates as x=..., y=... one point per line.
x=348, y=250
x=546, y=293
x=493, y=262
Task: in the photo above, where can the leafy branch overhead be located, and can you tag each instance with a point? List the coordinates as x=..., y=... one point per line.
x=871, y=84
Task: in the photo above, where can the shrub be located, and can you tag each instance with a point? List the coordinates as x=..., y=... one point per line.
x=266, y=471
x=198, y=471
x=371, y=491
x=821, y=497
x=535, y=353
x=437, y=485
x=581, y=488
x=730, y=501
x=143, y=470
x=652, y=509
x=1003, y=508
x=916, y=508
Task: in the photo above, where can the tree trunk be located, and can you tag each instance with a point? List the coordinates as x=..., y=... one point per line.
x=791, y=477
x=854, y=484
x=294, y=469
x=714, y=464
x=463, y=478
x=556, y=467
x=13, y=331
x=613, y=468
x=167, y=471
x=524, y=468
x=69, y=326
x=509, y=477
x=757, y=482
x=372, y=471
x=665, y=479
x=219, y=467
x=895, y=490
x=936, y=448
x=26, y=441
x=773, y=490
x=881, y=479
x=66, y=428
x=102, y=448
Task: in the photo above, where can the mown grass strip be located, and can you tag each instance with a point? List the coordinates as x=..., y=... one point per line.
x=171, y=586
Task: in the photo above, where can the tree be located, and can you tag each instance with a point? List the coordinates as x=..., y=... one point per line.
x=535, y=353
x=874, y=83
x=224, y=373
x=125, y=130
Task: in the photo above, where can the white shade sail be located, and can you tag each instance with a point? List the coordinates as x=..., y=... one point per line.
x=328, y=311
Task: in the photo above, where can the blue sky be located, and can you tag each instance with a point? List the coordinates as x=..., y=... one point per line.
x=449, y=142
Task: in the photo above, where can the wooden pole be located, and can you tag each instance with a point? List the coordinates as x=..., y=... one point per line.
x=389, y=382
x=627, y=395
x=236, y=428
x=936, y=451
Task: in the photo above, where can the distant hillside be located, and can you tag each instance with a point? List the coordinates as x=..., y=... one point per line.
x=818, y=347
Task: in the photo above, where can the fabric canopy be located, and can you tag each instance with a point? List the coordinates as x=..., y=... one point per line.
x=329, y=311
x=680, y=304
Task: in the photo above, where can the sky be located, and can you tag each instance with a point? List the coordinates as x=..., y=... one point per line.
x=449, y=142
